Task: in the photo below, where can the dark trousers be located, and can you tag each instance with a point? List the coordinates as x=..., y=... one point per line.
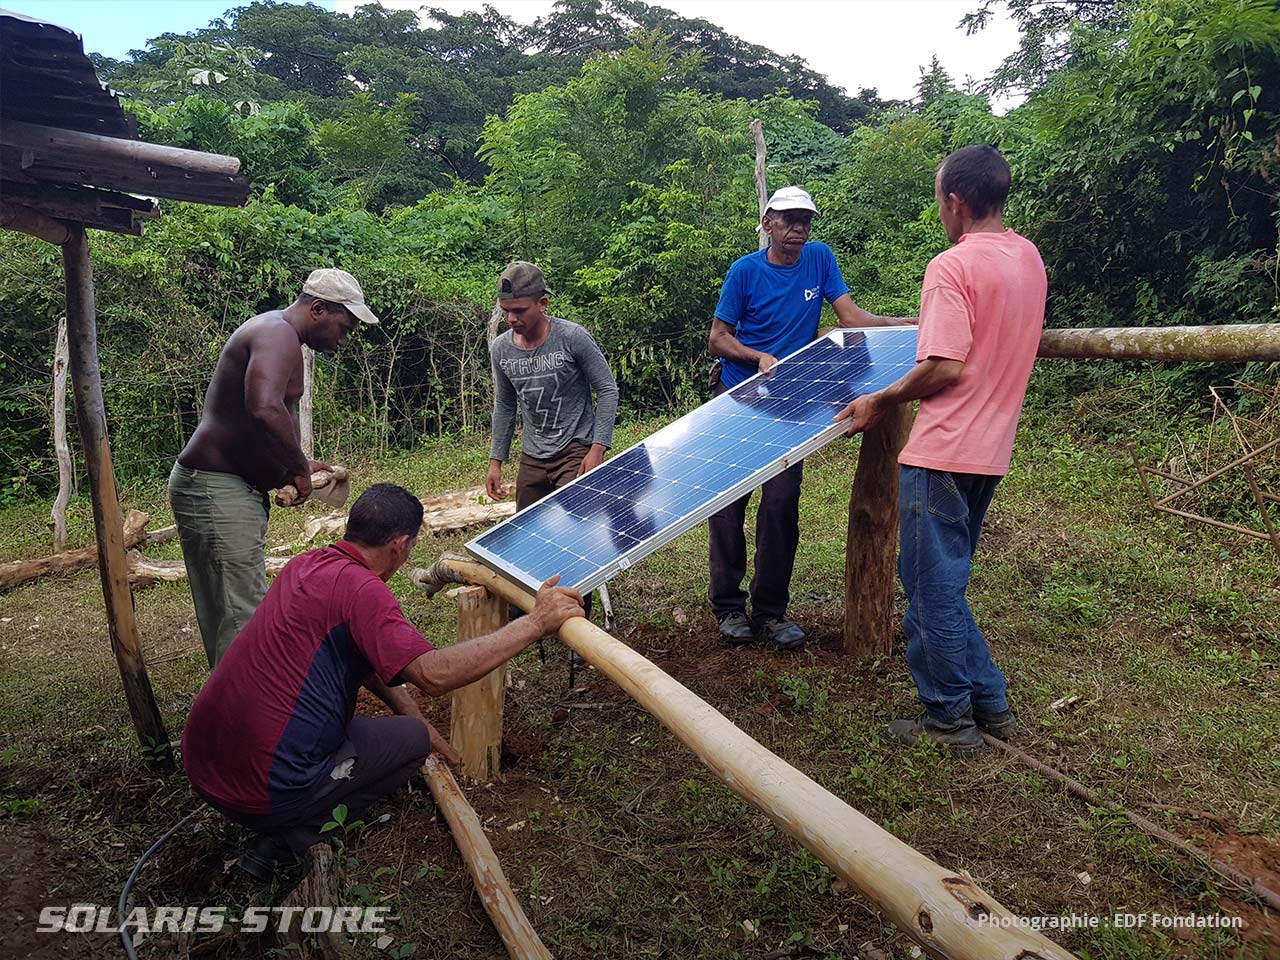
x=777, y=536
x=941, y=516
x=388, y=752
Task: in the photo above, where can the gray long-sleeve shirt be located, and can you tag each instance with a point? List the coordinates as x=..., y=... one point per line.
x=553, y=383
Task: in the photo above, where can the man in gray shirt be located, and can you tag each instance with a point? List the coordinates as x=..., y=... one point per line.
x=550, y=368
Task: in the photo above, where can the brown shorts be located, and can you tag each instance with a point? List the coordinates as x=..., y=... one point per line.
x=537, y=478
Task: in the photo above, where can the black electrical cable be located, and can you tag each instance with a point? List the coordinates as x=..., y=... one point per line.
x=126, y=940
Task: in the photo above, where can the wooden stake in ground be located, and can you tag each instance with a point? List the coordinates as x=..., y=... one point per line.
x=517, y=933
x=476, y=715
x=871, y=542
x=320, y=886
x=86, y=379
x=943, y=911
x=60, y=448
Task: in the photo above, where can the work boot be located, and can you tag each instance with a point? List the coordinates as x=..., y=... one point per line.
x=781, y=634
x=960, y=736
x=735, y=629
x=999, y=725
x=264, y=855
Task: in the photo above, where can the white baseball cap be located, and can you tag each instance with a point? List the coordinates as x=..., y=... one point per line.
x=791, y=198
x=338, y=286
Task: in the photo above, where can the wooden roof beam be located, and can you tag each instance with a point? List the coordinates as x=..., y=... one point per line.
x=71, y=157
x=26, y=220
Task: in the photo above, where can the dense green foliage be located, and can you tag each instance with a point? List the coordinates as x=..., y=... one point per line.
x=610, y=143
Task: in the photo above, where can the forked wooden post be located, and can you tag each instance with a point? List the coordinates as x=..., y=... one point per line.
x=871, y=544
x=476, y=716
x=86, y=382
x=306, y=404
x=60, y=447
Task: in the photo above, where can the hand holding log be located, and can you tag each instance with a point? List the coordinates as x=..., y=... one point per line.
x=327, y=485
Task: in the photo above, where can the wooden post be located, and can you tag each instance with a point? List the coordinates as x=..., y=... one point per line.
x=59, y=512
x=945, y=912
x=476, y=715
x=1239, y=342
x=871, y=543
x=509, y=919
x=86, y=381
x=762, y=187
x=306, y=405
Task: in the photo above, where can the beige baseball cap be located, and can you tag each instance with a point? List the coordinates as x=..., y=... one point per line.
x=521, y=279
x=338, y=286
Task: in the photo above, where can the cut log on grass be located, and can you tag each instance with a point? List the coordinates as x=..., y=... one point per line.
x=19, y=572
x=145, y=572
x=942, y=910
x=320, y=886
x=509, y=919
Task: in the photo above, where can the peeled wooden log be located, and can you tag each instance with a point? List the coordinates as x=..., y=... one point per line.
x=1238, y=342
x=145, y=572
x=943, y=911
x=517, y=933
x=287, y=496
x=19, y=572
x=163, y=535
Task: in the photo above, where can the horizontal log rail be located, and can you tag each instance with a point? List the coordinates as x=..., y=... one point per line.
x=1229, y=342
x=942, y=910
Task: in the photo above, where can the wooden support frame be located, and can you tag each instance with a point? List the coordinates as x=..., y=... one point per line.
x=871, y=542
x=86, y=380
x=517, y=933
x=476, y=715
x=946, y=913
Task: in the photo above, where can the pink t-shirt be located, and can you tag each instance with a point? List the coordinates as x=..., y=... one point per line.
x=982, y=303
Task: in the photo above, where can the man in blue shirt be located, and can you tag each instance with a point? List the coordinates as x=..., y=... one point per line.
x=769, y=308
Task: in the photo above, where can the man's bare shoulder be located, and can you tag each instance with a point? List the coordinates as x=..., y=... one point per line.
x=269, y=327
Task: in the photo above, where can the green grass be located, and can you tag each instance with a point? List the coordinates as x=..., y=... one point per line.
x=624, y=845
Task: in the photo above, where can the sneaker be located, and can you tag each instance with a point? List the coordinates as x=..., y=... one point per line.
x=735, y=629
x=781, y=634
x=961, y=736
x=265, y=854
x=999, y=725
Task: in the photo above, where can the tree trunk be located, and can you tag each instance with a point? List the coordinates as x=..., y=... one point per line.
x=943, y=911
x=517, y=933
x=306, y=404
x=86, y=380
x=1239, y=342
x=18, y=572
x=476, y=716
x=60, y=447
x=762, y=185
x=871, y=541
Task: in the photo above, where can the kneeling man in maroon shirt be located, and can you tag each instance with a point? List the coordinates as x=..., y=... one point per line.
x=272, y=740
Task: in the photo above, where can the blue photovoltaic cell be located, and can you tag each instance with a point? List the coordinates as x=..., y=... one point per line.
x=648, y=495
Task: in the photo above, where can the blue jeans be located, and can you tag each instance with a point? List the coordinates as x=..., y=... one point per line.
x=940, y=517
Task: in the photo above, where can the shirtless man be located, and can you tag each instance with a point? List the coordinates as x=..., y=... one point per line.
x=246, y=444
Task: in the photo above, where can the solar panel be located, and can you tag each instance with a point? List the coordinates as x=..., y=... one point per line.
x=646, y=496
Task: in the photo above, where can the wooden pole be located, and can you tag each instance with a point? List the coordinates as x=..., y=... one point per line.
x=86, y=381
x=1240, y=342
x=517, y=933
x=26, y=220
x=762, y=187
x=943, y=911
x=871, y=543
x=60, y=448
x=95, y=150
x=306, y=405
x=476, y=716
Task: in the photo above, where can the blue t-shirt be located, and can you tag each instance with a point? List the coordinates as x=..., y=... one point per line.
x=775, y=309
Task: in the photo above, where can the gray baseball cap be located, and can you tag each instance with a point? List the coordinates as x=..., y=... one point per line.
x=521, y=279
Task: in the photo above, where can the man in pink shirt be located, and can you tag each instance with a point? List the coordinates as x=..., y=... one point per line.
x=981, y=315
